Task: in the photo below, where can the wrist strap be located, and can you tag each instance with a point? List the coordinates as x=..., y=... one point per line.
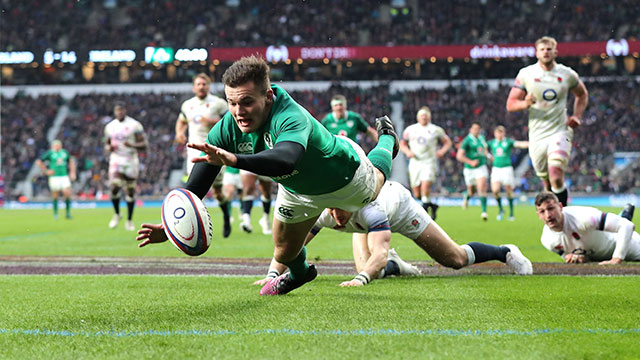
x=363, y=277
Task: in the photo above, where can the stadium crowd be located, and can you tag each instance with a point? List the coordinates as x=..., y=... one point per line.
x=58, y=24
x=609, y=125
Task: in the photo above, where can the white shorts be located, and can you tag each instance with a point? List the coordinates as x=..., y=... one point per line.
x=260, y=177
x=232, y=179
x=59, y=183
x=130, y=169
x=634, y=248
x=556, y=147
x=415, y=219
x=503, y=175
x=293, y=208
x=191, y=153
x=471, y=175
x=420, y=171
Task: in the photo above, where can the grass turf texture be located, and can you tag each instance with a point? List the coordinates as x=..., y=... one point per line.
x=214, y=317
x=35, y=232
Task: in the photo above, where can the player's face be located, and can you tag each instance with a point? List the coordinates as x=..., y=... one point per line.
x=340, y=216
x=56, y=146
x=423, y=117
x=339, y=109
x=475, y=130
x=550, y=212
x=119, y=112
x=201, y=88
x=249, y=105
x=498, y=134
x=546, y=53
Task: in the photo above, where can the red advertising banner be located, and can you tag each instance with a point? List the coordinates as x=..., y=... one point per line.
x=282, y=53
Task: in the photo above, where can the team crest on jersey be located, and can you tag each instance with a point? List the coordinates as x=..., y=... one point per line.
x=415, y=222
x=559, y=79
x=350, y=123
x=575, y=235
x=268, y=142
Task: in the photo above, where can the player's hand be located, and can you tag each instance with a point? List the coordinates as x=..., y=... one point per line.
x=530, y=99
x=351, y=283
x=127, y=144
x=180, y=139
x=440, y=154
x=109, y=148
x=49, y=172
x=215, y=155
x=410, y=154
x=262, y=281
x=573, y=121
x=474, y=163
x=574, y=259
x=72, y=176
x=613, y=261
x=151, y=234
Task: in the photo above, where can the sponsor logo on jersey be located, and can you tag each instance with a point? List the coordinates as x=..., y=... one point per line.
x=293, y=173
x=285, y=212
x=245, y=148
x=268, y=142
x=549, y=95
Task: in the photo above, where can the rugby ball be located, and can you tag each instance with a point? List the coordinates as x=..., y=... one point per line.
x=186, y=222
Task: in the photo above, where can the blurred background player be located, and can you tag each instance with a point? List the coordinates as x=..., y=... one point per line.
x=501, y=169
x=341, y=121
x=249, y=180
x=231, y=187
x=59, y=161
x=124, y=137
x=542, y=88
x=419, y=142
x=473, y=153
x=395, y=211
x=198, y=114
x=581, y=234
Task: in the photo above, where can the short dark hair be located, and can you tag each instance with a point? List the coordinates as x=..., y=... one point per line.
x=545, y=196
x=476, y=123
x=120, y=104
x=250, y=68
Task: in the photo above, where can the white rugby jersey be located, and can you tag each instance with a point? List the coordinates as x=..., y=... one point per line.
x=548, y=115
x=423, y=140
x=385, y=213
x=584, y=229
x=120, y=132
x=194, y=109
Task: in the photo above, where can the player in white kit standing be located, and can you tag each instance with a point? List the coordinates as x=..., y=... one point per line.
x=580, y=234
x=542, y=88
x=124, y=137
x=198, y=114
x=419, y=143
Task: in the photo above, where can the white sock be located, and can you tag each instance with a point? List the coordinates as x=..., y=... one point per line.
x=470, y=254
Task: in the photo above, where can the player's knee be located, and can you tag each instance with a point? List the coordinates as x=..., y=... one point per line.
x=557, y=166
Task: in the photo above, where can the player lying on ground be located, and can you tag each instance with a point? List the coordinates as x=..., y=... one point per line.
x=266, y=132
x=581, y=234
x=395, y=211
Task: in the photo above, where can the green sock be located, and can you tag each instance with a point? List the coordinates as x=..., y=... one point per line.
x=298, y=267
x=55, y=206
x=510, y=206
x=499, y=200
x=466, y=196
x=483, y=202
x=381, y=155
x=67, y=203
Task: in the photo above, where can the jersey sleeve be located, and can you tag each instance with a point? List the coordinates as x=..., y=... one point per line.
x=375, y=217
x=574, y=78
x=465, y=144
x=361, y=124
x=220, y=134
x=139, y=128
x=220, y=107
x=325, y=120
x=294, y=128
x=552, y=242
x=406, y=132
x=183, y=115
x=324, y=220
x=46, y=155
x=440, y=132
x=520, y=81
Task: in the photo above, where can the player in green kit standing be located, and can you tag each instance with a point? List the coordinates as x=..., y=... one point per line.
x=473, y=153
x=268, y=133
x=343, y=122
x=59, y=179
x=502, y=170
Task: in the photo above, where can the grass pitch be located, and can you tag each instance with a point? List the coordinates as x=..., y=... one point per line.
x=118, y=317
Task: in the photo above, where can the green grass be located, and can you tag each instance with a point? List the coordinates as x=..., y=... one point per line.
x=123, y=317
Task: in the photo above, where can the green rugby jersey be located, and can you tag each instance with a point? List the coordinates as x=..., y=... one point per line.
x=474, y=148
x=58, y=161
x=328, y=163
x=501, y=151
x=349, y=126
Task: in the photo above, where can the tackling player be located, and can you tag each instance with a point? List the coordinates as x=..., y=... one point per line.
x=581, y=234
x=198, y=114
x=542, y=88
x=59, y=180
x=419, y=143
x=124, y=137
x=343, y=122
x=395, y=211
x=268, y=133
x=473, y=153
x=502, y=170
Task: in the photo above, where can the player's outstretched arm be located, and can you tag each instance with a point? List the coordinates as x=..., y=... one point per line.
x=379, y=247
x=624, y=231
x=521, y=144
x=579, y=105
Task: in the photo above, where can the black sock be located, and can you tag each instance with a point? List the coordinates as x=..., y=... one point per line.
x=130, y=205
x=391, y=268
x=486, y=252
x=116, y=205
x=563, y=196
x=225, y=210
x=246, y=206
x=266, y=205
x=627, y=213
